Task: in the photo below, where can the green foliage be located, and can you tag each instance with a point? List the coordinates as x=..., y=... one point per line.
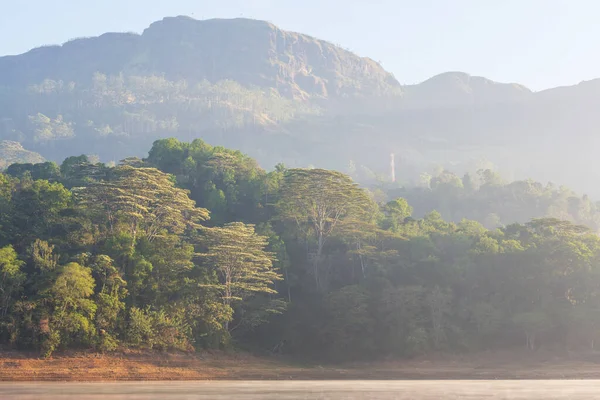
x=349, y=326
x=396, y=212
x=142, y=199
x=12, y=280
x=228, y=183
x=159, y=330
x=71, y=310
x=317, y=201
x=139, y=328
x=37, y=208
x=105, y=257
x=49, y=171
x=494, y=203
x=243, y=266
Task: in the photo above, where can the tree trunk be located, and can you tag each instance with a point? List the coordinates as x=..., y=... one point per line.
x=320, y=243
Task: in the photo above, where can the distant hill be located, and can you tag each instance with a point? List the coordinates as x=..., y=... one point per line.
x=459, y=89
x=287, y=97
x=13, y=152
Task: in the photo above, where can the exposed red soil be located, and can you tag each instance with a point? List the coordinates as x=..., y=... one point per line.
x=220, y=366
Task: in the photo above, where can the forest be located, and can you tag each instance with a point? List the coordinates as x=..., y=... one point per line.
x=55, y=116
x=485, y=196
x=197, y=247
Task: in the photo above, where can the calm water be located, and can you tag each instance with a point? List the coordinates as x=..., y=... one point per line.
x=404, y=390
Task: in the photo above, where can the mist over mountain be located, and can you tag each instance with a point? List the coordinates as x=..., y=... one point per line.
x=286, y=97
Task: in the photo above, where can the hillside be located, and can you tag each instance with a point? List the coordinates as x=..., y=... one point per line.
x=247, y=51
x=287, y=97
x=13, y=152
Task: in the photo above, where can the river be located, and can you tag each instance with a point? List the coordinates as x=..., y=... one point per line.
x=322, y=390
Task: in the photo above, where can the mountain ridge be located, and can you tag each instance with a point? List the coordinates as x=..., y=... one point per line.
x=287, y=97
x=249, y=22
x=181, y=47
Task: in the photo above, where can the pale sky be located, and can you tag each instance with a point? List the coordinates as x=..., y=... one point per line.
x=538, y=43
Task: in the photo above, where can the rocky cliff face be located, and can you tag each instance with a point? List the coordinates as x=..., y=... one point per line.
x=247, y=51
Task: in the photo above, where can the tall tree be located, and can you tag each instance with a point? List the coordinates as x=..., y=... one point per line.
x=145, y=200
x=11, y=279
x=316, y=200
x=71, y=308
x=243, y=266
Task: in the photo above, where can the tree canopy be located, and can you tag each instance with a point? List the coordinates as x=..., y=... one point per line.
x=197, y=247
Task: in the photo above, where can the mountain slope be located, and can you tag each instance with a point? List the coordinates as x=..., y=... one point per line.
x=13, y=152
x=247, y=51
x=286, y=97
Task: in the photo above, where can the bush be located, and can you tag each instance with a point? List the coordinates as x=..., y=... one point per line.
x=107, y=344
x=158, y=330
x=139, y=329
x=50, y=343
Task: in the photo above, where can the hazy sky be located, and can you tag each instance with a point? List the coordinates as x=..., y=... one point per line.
x=539, y=43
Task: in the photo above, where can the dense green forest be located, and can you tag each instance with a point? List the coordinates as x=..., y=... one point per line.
x=486, y=197
x=197, y=247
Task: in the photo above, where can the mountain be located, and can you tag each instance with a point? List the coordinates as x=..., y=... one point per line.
x=287, y=97
x=247, y=51
x=459, y=89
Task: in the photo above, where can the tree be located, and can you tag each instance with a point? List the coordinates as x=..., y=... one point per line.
x=11, y=279
x=316, y=200
x=47, y=170
x=37, y=209
x=396, y=211
x=401, y=316
x=446, y=181
x=109, y=299
x=438, y=304
x=349, y=326
x=144, y=200
x=228, y=183
x=72, y=310
x=533, y=324
x=238, y=256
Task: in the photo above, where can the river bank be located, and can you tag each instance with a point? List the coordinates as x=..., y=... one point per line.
x=223, y=366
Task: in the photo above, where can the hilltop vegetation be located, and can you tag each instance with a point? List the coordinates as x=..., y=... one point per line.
x=197, y=247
